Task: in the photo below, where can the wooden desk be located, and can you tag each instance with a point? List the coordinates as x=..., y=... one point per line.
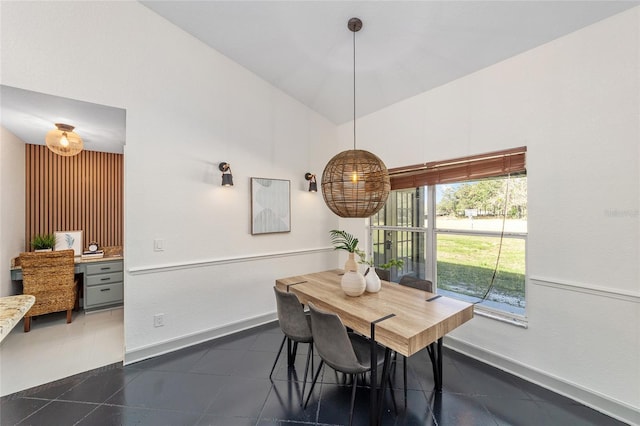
x=400, y=318
x=102, y=281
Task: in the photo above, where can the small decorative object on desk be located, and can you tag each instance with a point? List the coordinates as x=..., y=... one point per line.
x=353, y=282
x=93, y=254
x=43, y=242
x=69, y=240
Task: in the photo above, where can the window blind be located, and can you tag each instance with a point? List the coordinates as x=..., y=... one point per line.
x=492, y=164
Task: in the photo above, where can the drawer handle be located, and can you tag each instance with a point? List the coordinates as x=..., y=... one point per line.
x=106, y=268
x=105, y=289
x=105, y=279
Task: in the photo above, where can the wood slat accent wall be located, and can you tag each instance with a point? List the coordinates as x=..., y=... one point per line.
x=83, y=192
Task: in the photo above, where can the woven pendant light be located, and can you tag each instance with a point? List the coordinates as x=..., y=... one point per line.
x=355, y=183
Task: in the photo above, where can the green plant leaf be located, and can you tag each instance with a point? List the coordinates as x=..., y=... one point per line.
x=342, y=240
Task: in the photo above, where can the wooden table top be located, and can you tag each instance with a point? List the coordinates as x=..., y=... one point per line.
x=416, y=323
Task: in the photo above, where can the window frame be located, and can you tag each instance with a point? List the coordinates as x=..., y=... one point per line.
x=431, y=232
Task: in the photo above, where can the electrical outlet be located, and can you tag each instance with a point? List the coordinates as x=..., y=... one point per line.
x=158, y=320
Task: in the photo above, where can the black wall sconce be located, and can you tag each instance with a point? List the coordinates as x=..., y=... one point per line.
x=313, y=185
x=227, y=177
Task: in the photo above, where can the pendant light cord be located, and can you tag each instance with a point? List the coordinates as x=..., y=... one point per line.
x=354, y=90
x=504, y=220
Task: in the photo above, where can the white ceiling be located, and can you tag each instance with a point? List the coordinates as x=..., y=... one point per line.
x=305, y=49
x=31, y=115
x=404, y=48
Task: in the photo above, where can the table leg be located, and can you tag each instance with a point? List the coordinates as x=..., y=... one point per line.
x=435, y=353
x=383, y=383
x=373, y=409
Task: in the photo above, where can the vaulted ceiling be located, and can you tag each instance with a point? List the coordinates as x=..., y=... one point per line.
x=404, y=48
x=305, y=49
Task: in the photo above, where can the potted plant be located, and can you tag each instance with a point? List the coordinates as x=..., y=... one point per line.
x=343, y=240
x=353, y=282
x=43, y=242
x=383, y=269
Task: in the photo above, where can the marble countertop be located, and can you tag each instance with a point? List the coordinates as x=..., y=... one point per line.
x=12, y=309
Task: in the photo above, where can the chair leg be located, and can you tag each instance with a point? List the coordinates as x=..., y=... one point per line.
x=306, y=368
x=354, y=377
x=27, y=324
x=313, y=383
x=69, y=316
x=278, y=356
x=294, y=351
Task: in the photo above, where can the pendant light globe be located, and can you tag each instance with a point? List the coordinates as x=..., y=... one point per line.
x=355, y=183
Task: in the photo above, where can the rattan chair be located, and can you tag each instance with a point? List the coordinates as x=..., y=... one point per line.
x=50, y=277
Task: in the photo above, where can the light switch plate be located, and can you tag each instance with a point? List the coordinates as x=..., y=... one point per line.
x=158, y=245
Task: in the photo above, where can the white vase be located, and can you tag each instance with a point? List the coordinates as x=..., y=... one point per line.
x=372, y=280
x=351, y=264
x=353, y=283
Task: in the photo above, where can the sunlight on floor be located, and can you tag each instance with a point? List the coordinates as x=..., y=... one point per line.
x=54, y=349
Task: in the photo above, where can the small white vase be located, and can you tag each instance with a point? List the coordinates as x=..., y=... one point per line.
x=372, y=280
x=353, y=283
x=351, y=264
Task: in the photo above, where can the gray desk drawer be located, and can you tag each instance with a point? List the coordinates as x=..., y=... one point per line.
x=104, y=278
x=104, y=267
x=104, y=294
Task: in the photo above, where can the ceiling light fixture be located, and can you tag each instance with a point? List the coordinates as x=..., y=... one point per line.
x=64, y=141
x=355, y=183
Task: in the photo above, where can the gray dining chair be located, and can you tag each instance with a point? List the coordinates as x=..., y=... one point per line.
x=348, y=353
x=296, y=326
x=420, y=284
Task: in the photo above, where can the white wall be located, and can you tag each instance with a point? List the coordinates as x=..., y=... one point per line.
x=12, y=206
x=188, y=108
x=575, y=103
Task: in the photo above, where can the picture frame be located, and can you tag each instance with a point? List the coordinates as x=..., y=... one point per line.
x=66, y=240
x=270, y=206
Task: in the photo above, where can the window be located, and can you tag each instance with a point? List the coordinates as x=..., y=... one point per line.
x=399, y=232
x=480, y=251
x=474, y=247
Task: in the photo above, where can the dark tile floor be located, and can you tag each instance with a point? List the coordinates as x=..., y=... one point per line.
x=226, y=382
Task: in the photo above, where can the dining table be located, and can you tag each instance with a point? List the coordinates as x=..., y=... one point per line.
x=398, y=318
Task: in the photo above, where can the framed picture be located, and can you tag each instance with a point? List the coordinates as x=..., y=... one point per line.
x=270, y=206
x=69, y=240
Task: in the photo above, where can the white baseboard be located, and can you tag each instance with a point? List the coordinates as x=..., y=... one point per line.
x=616, y=409
x=182, y=342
